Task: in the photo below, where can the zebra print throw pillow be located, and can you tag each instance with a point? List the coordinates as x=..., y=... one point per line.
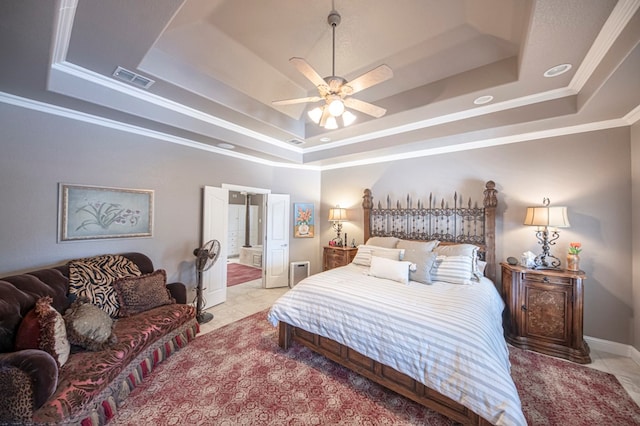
x=93, y=278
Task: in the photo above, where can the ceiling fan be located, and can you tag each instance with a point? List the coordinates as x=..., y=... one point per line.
x=336, y=91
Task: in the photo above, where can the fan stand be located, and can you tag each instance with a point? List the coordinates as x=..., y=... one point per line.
x=206, y=257
x=201, y=316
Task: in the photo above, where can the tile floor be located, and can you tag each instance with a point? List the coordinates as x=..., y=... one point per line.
x=248, y=298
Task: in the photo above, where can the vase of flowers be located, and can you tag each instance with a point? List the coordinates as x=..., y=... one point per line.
x=573, y=258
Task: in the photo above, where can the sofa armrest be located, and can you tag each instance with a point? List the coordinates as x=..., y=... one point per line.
x=178, y=291
x=30, y=376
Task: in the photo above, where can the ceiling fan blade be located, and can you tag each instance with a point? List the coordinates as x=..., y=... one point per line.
x=370, y=78
x=366, y=107
x=306, y=70
x=297, y=100
x=325, y=115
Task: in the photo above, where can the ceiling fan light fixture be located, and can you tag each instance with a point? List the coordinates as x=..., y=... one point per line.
x=335, y=91
x=315, y=114
x=331, y=123
x=336, y=106
x=348, y=118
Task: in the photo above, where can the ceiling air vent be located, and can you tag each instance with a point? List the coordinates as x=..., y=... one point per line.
x=296, y=142
x=133, y=78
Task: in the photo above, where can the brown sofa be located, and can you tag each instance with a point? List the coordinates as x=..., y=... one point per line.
x=89, y=387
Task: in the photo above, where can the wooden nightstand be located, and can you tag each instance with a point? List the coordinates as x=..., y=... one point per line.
x=544, y=311
x=333, y=257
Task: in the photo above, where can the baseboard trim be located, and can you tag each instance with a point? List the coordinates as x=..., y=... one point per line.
x=613, y=348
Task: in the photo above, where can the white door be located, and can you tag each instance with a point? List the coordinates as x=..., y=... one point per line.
x=214, y=227
x=276, y=247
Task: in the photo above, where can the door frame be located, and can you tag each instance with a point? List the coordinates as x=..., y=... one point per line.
x=253, y=190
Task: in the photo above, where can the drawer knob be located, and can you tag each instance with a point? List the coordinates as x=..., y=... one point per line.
x=545, y=279
x=524, y=308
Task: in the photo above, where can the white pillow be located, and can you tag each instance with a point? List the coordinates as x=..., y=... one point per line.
x=424, y=246
x=452, y=269
x=386, y=242
x=462, y=250
x=390, y=269
x=482, y=265
x=363, y=256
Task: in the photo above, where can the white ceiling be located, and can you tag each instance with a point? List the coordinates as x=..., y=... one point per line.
x=218, y=64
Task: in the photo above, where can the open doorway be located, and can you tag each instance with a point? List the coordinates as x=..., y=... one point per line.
x=245, y=237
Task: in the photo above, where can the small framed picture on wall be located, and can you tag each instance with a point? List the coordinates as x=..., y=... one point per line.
x=304, y=218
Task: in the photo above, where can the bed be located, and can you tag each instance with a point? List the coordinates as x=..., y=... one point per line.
x=438, y=342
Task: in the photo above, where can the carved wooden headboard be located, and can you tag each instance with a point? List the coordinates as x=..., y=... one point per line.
x=460, y=223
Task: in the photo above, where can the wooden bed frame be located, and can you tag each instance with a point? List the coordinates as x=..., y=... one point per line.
x=450, y=225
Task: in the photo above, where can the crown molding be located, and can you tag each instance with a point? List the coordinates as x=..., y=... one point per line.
x=617, y=21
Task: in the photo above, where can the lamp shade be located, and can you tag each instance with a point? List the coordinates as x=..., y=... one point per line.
x=555, y=217
x=337, y=215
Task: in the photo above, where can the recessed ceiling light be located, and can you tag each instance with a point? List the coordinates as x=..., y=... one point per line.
x=225, y=145
x=325, y=139
x=483, y=100
x=557, y=70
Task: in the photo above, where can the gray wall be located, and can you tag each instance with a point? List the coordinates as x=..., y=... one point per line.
x=589, y=173
x=41, y=150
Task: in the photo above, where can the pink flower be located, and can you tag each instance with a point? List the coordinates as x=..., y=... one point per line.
x=575, y=248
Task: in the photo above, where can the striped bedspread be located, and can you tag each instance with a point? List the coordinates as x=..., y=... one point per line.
x=447, y=336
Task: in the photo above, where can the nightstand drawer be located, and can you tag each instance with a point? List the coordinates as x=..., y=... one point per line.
x=542, y=278
x=334, y=257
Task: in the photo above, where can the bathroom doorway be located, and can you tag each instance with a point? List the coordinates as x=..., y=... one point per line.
x=245, y=237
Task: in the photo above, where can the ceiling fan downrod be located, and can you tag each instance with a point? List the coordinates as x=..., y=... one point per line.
x=334, y=20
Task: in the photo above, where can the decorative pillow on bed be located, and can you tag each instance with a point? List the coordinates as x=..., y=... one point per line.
x=423, y=246
x=396, y=270
x=482, y=265
x=88, y=326
x=452, y=269
x=43, y=328
x=470, y=250
x=139, y=294
x=386, y=242
x=423, y=264
x=421, y=253
x=363, y=256
x=93, y=278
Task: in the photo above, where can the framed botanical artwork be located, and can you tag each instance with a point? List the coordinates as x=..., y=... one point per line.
x=303, y=224
x=96, y=212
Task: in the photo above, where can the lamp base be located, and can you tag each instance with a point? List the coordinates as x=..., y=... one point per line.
x=547, y=268
x=546, y=261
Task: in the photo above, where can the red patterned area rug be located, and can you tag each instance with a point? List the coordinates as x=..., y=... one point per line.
x=238, y=273
x=238, y=375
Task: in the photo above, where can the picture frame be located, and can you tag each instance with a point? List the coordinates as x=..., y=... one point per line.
x=96, y=212
x=304, y=218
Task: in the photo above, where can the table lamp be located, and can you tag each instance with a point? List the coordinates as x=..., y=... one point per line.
x=545, y=217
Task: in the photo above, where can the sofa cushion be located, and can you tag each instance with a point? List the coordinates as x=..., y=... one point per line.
x=93, y=277
x=43, y=328
x=89, y=326
x=139, y=294
x=88, y=374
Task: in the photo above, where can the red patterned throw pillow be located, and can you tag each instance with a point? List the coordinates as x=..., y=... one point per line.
x=139, y=294
x=43, y=328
